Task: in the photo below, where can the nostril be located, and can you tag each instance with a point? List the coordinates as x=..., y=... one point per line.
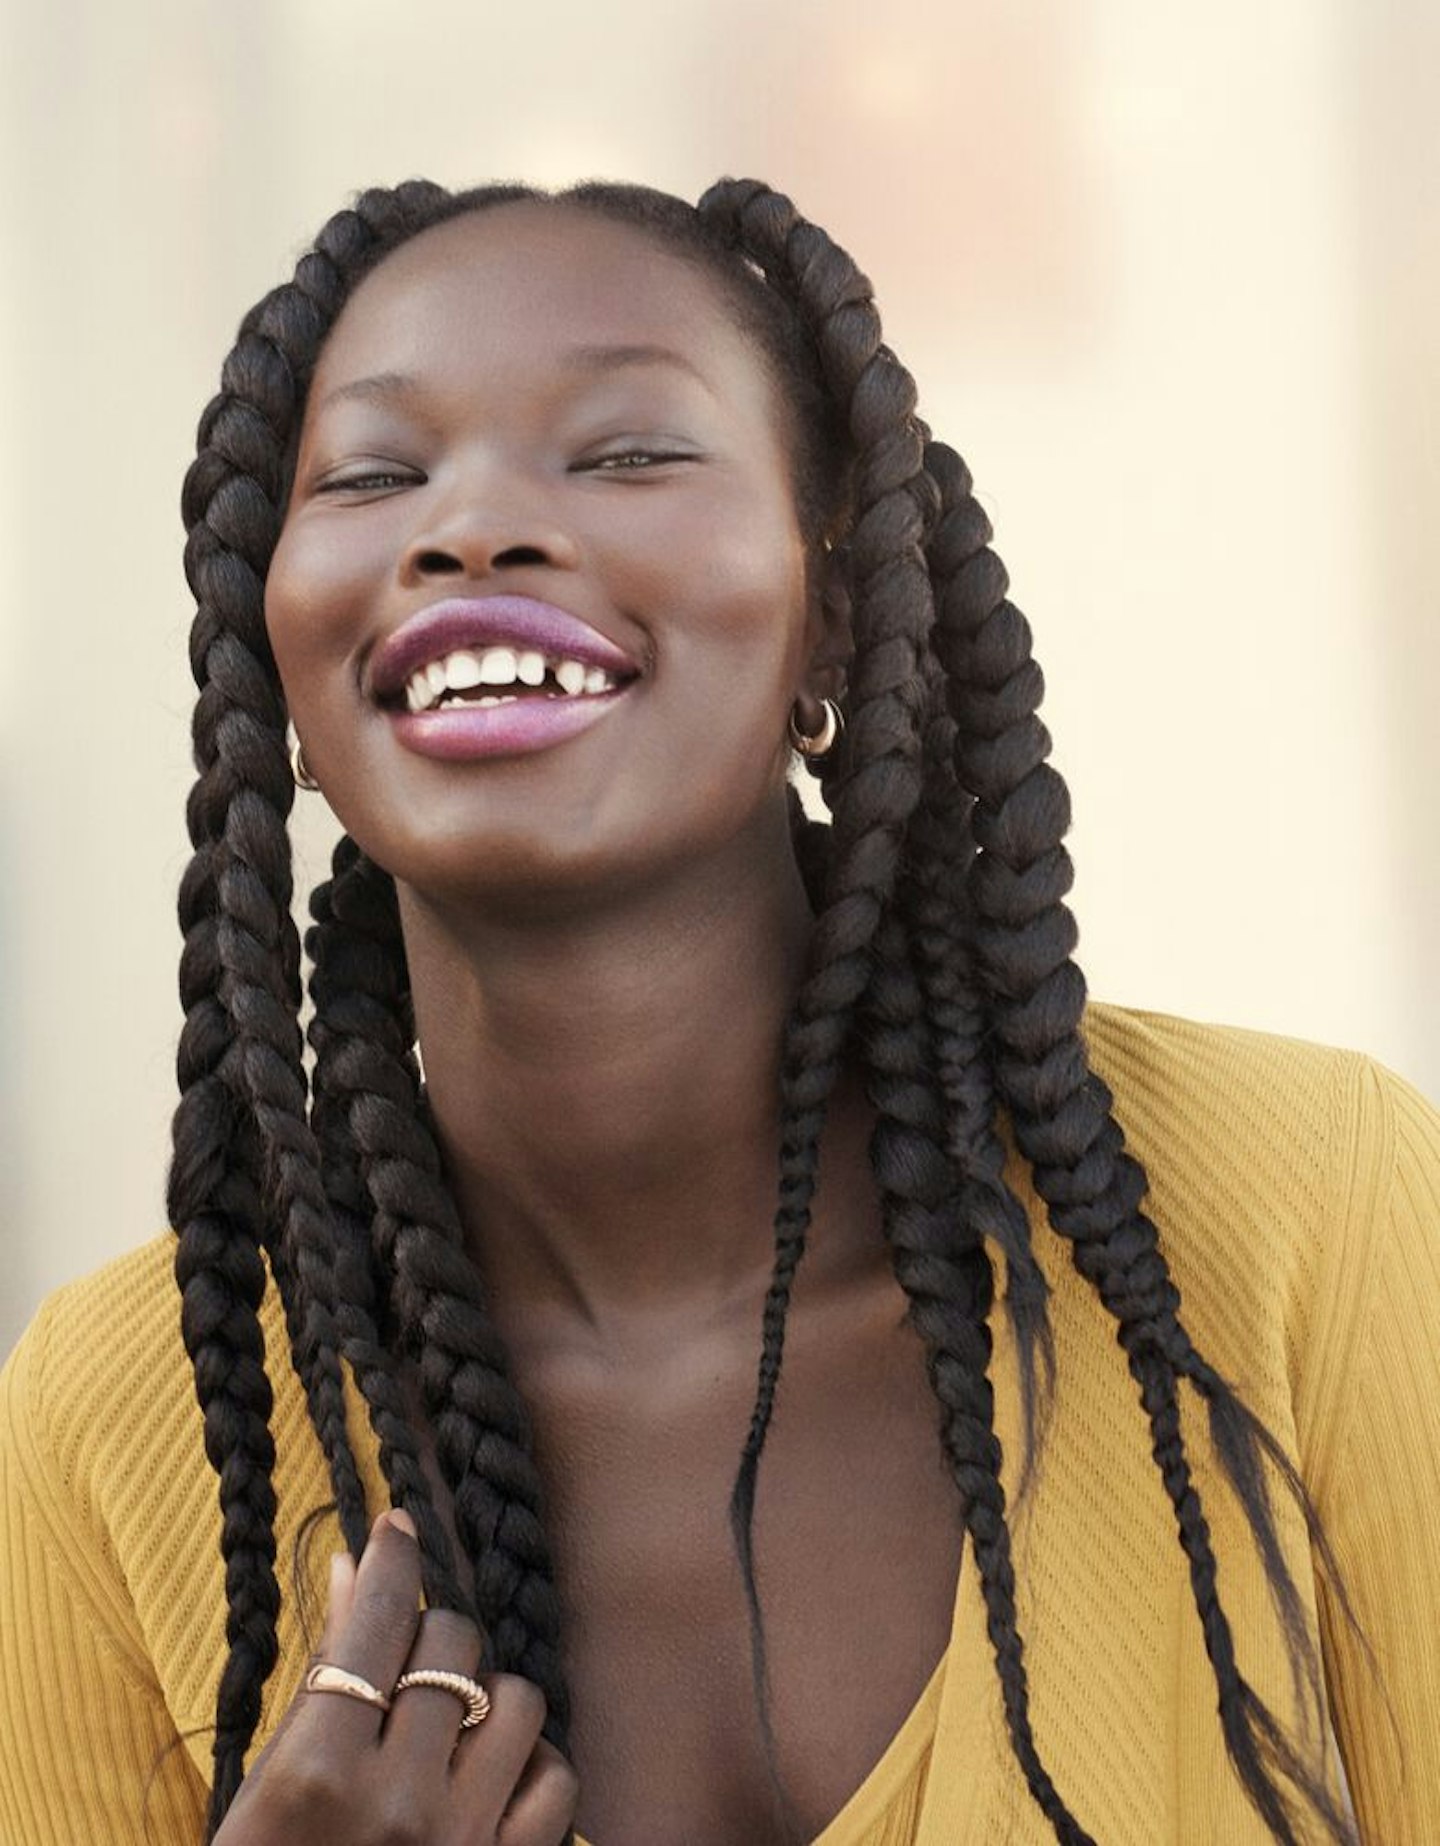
x=436, y=563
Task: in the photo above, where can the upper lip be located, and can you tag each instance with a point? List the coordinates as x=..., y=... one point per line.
x=491, y=621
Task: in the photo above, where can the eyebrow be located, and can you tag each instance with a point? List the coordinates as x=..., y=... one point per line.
x=387, y=387
x=381, y=388
x=612, y=358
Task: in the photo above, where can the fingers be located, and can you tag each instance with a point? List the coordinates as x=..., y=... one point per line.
x=544, y=1803
x=384, y=1610
x=337, y=1614
x=491, y=1759
x=340, y=1768
x=372, y=1628
x=424, y=1722
x=341, y=1601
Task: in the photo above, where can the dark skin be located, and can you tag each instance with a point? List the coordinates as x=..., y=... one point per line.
x=604, y=938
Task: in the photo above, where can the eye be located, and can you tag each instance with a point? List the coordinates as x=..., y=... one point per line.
x=638, y=460
x=366, y=481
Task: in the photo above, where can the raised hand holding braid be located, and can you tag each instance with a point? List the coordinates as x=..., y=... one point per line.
x=344, y=1771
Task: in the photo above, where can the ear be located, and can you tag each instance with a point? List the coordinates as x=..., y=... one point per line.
x=831, y=636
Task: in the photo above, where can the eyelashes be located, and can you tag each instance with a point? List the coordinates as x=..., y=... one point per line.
x=373, y=480
x=635, y=461
x=381, y=480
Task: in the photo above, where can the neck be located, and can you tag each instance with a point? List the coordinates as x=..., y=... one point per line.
x=604, y=1087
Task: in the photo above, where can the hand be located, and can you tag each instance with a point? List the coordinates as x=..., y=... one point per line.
x=339, y=1772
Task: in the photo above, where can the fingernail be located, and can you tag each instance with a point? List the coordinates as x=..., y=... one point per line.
x=341, y=1566
x=402, y=1521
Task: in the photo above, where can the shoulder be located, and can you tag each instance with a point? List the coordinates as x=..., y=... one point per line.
x=103, y=1466
x=1228, y=1078
x=1286, y=1180
x=101, y=1372
x=94, y=1425
x=1241, y=1114
x=100, y=1425
x=98, y=1402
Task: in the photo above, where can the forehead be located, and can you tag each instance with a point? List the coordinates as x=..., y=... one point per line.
x=515, y=284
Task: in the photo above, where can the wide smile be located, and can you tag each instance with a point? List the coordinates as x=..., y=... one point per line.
x=496, y=676
x=499, y=675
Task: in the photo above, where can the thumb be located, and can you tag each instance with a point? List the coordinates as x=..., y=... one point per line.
x=337, y=1614
x=342, y=1599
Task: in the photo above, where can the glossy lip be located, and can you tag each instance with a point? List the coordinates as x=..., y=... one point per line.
x=522, y=622
x=470, y=733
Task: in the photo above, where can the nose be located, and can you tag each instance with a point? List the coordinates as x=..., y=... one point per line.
x=480, y=528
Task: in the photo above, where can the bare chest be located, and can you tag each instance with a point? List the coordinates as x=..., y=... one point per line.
x=857, y=1549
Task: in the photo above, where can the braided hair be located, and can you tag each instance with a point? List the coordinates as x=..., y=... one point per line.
x=940, y=960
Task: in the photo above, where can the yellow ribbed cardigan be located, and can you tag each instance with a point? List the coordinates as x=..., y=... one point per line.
x=1297, y=1191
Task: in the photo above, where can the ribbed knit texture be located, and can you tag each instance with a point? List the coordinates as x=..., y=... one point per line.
x=1297, y=1191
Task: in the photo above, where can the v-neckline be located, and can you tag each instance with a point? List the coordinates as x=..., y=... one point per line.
x=872, y=1795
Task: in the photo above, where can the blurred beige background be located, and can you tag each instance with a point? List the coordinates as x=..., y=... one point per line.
x=1169, y=278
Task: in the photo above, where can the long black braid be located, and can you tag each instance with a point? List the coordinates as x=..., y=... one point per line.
x=936, y=904
x=941, y=959
x=239, y=1066
x=1062, y=1111
x=362, y=1024
x=941, y=1263
x=877, y=780
x=359, y=1014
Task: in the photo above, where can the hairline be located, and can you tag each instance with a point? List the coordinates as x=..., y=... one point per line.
x=757, y=312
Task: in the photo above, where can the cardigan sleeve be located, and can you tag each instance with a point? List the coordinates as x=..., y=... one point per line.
x=1378, y=1488
x=88, y=1750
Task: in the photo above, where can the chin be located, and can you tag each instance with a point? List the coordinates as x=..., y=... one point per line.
x=526, y=871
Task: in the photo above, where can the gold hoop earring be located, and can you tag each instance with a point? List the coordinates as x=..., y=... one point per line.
x=823, y=742
x=300, y=769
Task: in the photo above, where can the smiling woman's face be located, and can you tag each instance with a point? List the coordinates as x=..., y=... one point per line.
x=537, y=447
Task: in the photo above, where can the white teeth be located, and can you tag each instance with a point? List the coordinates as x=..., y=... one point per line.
x=462, y=671
x=432, y=685
x=497, y=667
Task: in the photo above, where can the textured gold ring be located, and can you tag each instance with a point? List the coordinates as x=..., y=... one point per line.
x=323, y=1677
x=471, y=1694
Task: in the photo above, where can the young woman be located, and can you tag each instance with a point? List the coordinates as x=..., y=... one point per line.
x=559, y=529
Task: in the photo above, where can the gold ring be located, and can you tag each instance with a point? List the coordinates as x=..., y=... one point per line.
x=323, y=1677
x=470, y=1692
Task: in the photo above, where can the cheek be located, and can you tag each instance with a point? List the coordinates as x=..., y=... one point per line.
x=754, y=628
x=725, y=599
x=311, y=593
x=716, y=571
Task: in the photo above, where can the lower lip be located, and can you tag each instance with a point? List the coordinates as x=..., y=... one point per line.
x=470, y=733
